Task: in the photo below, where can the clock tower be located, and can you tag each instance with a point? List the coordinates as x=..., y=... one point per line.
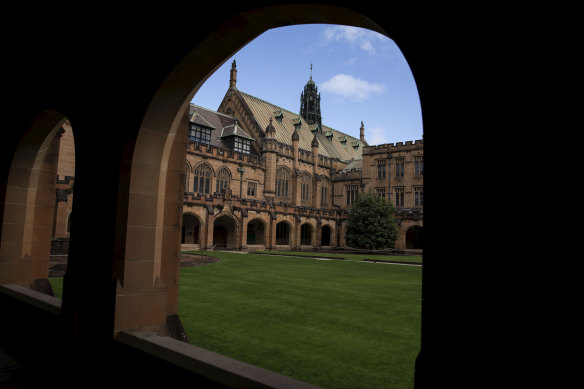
x=310, y=103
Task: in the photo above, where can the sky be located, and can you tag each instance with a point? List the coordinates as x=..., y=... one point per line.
x=361, y=76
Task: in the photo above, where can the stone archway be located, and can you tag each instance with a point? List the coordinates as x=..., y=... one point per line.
x=283, y=233
x=306, y=234
x=414, y=237
x=225, y=233
x=256, y=232
x=191, y=229
x=325, y=239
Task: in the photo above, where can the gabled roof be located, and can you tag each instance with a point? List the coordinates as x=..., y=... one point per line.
x=235, y=130
x=222, y=125
x=284, y=128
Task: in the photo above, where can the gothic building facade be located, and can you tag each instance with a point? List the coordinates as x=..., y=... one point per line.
x=261, y=177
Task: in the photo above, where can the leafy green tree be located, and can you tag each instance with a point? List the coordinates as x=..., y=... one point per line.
x=371, y=223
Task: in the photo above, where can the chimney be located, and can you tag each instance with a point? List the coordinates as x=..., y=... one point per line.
x=362, y=132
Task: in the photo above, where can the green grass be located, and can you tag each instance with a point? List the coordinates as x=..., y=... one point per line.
x=353, y=257
x=57, y=285
x=336, y=324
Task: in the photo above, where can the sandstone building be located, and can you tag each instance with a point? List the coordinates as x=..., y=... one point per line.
x=259, y=176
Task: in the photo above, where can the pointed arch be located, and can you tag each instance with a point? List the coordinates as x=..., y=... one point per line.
x=223, y=179
x=324, y=190
x=283, y=185
x=305, y=188
x=202, y=178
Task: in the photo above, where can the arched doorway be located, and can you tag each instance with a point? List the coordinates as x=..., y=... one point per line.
x=305, y=234
x=190, y=230
x=325, y=236
x=256, y=232
x=282, y=233
x=224, y=233
x=414, y=238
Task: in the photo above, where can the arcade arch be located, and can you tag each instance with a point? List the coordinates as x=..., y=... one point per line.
x=37, y=208
x=256, y=232
x=225, y=232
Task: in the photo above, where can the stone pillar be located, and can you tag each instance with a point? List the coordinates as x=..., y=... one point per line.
x=210, y=222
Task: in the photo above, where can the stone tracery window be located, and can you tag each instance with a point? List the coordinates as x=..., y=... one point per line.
x=282, y=182
x=202, y=179
x=324, y=185
x=223, y=180
x=305, y=188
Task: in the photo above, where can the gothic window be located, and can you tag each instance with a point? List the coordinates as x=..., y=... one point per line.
x=200, y=134
x=324, y=186
x=251, y=189
x=202, y=179
x=380, y=169
x=351, y=194
x=305, y=188
x=418, y=196
x=419, y=166
x=282, y=182
x=399, y=167
x=399, y=197
x=380, y=192
x=223, y=180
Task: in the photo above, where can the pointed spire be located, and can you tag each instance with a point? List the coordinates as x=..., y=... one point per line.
x=295, y=136
x=270, y=130
x=362, y=132
x=233, y=75
x=314, y=142
x=311, y=71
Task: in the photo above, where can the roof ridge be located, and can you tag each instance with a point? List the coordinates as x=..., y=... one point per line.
x=292, y=113
x=213, y=111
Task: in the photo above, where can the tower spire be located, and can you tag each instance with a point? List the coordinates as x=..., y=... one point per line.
x=310, y=103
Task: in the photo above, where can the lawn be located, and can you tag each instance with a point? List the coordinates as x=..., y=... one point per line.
x=336, y=324
x=352, y=257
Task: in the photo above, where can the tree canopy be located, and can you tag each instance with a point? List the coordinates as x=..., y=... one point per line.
x=371, y=223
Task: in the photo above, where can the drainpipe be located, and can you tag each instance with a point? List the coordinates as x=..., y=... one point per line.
x=240, y=170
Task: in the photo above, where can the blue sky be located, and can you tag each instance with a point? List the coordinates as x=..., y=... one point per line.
x=360, y=74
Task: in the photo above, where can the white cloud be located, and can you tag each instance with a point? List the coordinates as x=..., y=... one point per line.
x=351, y=88
x=363, y=38
x=375, y=136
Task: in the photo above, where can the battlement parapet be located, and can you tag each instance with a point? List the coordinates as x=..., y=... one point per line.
x=225, y=154
x=393, y=147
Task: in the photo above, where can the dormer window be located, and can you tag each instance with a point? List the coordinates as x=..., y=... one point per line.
x=200, y=134
x=235, y=138
x=343, y=140
x=355, y=145
x=278, y=115
x=297, y=122
x=329, y=135
x=241, y=145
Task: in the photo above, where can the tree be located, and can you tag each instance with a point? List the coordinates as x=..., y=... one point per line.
x=371, y=223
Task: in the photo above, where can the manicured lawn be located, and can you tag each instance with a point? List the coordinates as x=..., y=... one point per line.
x=352, y=257
x=337, y=324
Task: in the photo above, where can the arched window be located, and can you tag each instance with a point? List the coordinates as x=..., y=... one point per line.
x=223, y=180
x=305, y=188
x=282, y=182
x=202, y=180
x=324, y=191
